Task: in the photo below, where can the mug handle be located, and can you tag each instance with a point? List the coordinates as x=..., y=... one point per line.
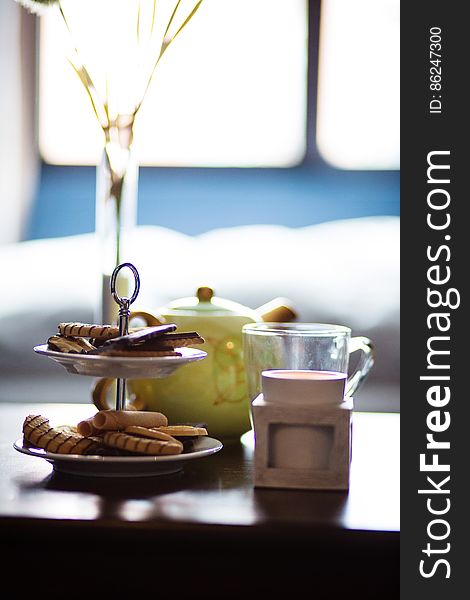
x=366, y=362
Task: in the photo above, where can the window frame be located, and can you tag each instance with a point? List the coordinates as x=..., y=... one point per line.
x=312, y=154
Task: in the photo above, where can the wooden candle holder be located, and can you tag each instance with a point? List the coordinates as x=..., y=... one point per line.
x=302, y=446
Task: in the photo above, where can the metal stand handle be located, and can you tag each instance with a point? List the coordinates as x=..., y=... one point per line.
x=124, y=313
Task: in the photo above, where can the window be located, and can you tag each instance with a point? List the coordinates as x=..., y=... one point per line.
x=359, y=84
x=232, y=91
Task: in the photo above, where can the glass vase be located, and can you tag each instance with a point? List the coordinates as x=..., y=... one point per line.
x=117, y=178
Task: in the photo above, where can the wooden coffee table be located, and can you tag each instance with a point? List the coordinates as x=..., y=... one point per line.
x=205, y=532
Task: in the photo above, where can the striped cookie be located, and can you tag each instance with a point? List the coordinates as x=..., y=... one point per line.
x=86, y=330
x=141, y=445
x=61, y=440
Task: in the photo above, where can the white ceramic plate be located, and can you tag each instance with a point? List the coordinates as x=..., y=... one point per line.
x=122, y=367
x=122, y=466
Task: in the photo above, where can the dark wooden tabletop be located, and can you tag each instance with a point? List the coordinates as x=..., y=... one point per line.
x=208, y=518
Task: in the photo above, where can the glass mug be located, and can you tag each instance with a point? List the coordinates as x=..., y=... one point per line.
x=304, y=346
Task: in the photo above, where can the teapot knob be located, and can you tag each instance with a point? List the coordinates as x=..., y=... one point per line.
x=204, y=294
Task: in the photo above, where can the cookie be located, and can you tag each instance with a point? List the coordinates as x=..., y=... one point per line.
x=150, y=432
x=86, y=428
x=89, y=331
x=61, y=343
x=141, y=445
x=117, y=420
x=134, y=353
x=136, y=338
x=157, y=339
x=61, y=440
x=172, y=340
x=182, y=430
x=188, y=338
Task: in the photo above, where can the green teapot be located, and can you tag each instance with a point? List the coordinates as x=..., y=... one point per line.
x=212, y=391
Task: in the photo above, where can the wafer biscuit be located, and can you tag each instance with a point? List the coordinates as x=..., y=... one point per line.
x=153, y=338
x=136, y=338
x=141, y=445
x=86, y=428
x=134, y=353
x=182, y=430
x=150, y=432
x=38, y=432
x=179, y=340
x=120, y=419
x=72, y=345
x=186, y=338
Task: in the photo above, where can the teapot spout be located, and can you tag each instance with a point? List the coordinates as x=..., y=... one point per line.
x=279, y=310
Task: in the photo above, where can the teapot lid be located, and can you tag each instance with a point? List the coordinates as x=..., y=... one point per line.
x=206, y=302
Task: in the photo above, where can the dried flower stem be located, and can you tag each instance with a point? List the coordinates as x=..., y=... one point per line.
x=118, y=132
x=166, y=42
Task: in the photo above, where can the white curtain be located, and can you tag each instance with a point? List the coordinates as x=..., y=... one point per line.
x=18, y=149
